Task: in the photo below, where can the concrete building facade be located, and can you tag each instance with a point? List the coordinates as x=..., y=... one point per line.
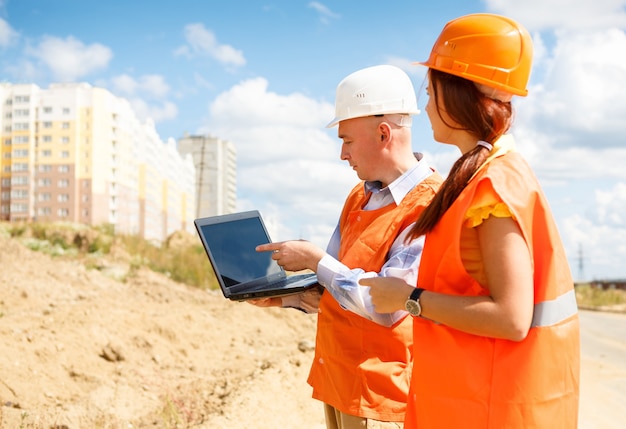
x=215, y=164
x=77, y=153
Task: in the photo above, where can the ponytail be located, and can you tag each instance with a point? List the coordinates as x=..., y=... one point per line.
x=484, y=117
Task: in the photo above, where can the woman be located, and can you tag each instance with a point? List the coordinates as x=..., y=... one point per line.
x=496, y=330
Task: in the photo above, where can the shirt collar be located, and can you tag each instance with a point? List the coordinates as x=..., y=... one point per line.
x=403, y=184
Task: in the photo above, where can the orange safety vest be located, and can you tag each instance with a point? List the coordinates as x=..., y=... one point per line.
x=362, y=368
x=462, y=380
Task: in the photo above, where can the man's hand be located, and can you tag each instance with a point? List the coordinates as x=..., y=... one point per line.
x=294, y=255
x=266, y=302
x=388, y=294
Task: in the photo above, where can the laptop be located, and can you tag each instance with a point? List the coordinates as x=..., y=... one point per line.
x=242, y=272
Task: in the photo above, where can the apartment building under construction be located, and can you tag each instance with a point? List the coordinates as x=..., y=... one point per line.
x=76, y=153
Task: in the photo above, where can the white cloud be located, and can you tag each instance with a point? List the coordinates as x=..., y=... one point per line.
x=146, y=96
x=288, y=165
x=202, y=41
x=598, y=236
x=325, y=14
x=153, y=86
x=408, y=65
x=7, y=34
x=124, y=84
x=564, y=14
x=158, y=111
x=582, y=99
x=251, y=101
x=23, y=70
x=70, y=59
x=610, y=204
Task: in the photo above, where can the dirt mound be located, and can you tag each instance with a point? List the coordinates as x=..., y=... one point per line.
x=83, y=350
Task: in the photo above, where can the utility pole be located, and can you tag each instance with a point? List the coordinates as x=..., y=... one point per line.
x=581, y=267
x=200, y=169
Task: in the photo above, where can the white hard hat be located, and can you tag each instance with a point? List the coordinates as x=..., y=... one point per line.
x=376, y=90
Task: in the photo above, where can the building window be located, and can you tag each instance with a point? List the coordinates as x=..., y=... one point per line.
x=21, y=112
x=19, y=180
x=65, y=139
x=43, y=196
x=19, y=208
x=66, y=110
x=46, y=124
x=43, y=183
x=46, y=153
x=19, y=194
x=20, y=153
x=65, y=125
x=43, y=211
x=63, y=183
x=19, y=166
x=62, y=198
x=45, y=168
x=64, y=169
x=20, y=126
x=65, y=154
x=63, y=212
x=47, y=139
x=47, y=109
x=20, y=139
x=22, y=98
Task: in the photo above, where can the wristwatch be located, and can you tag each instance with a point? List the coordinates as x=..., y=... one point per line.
x=412, y=304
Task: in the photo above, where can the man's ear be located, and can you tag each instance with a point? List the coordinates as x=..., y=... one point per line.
x=384, y=131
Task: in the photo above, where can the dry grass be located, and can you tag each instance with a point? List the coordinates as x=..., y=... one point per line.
x=181, y=257
x=593, y=298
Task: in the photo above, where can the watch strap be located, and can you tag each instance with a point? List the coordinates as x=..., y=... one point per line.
x=415, y=295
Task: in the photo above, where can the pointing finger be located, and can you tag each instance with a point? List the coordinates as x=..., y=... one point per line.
x=269, y=247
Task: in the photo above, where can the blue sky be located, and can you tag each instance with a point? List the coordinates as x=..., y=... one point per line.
x=262, y=74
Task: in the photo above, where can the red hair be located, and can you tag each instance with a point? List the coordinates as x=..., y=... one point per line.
x=472, y=111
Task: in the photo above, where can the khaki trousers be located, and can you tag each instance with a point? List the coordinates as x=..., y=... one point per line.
x=335, y=419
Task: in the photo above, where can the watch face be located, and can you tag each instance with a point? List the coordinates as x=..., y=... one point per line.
x=413, y=307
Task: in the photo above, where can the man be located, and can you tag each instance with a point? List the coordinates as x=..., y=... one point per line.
x=361, y=368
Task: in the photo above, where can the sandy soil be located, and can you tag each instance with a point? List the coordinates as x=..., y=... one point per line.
x=83, y=350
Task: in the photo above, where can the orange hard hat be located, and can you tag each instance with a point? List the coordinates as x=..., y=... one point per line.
x=488, y=49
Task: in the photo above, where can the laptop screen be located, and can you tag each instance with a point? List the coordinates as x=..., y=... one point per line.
x=232, y=247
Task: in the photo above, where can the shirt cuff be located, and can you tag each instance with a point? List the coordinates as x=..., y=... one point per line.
x=327, y=268
x=291, y=301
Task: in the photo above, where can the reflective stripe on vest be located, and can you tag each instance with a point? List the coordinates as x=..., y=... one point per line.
x=552, y=312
